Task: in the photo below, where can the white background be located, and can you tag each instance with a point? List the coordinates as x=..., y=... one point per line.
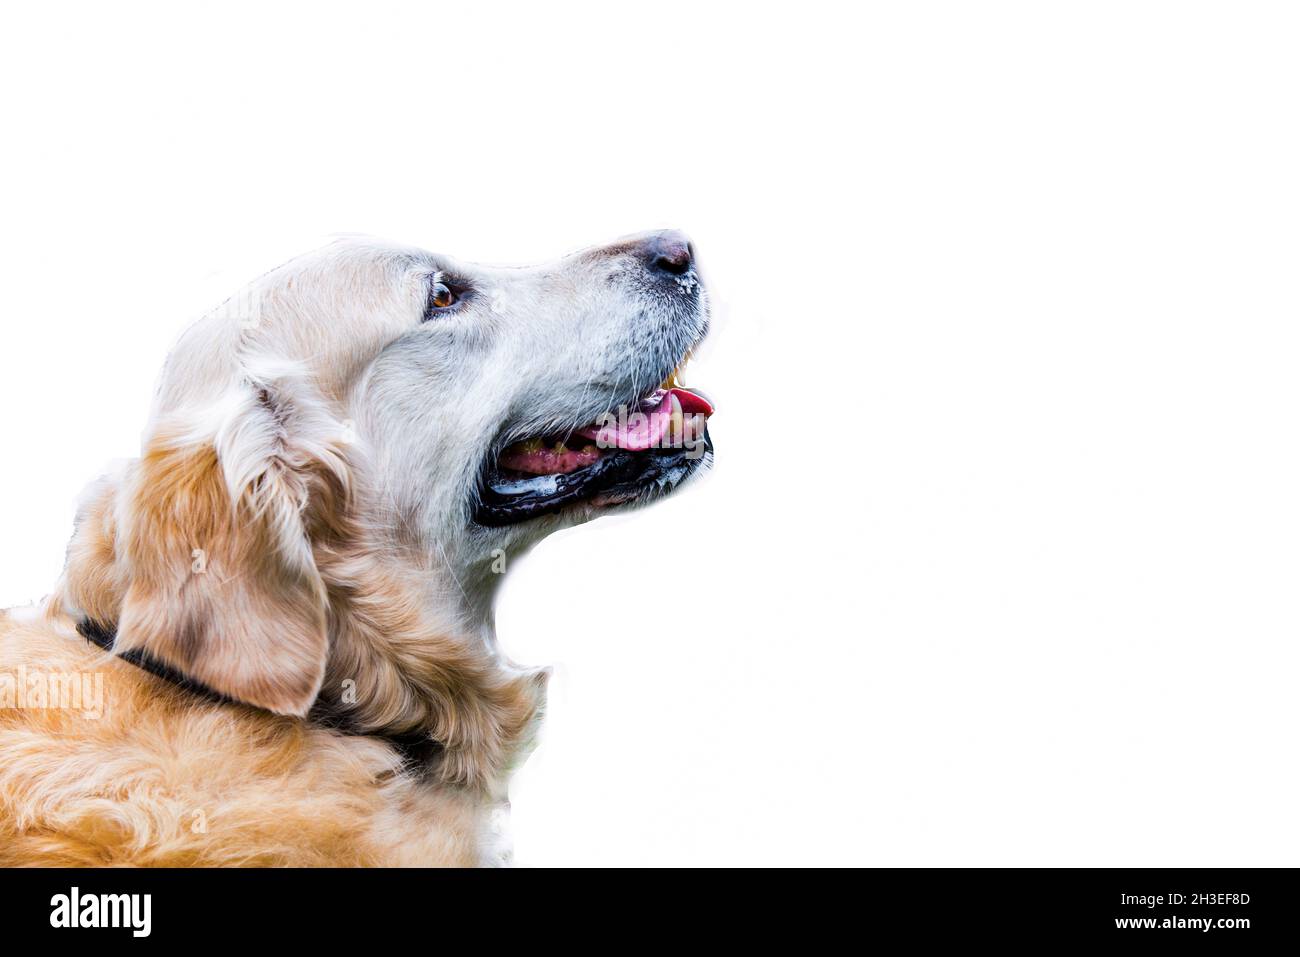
x=999, y=561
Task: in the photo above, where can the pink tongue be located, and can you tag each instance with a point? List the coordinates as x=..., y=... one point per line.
x=637, y=430
x=692, y=403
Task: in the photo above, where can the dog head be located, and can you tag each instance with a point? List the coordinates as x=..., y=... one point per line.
x=341, y=456
x=519, y=401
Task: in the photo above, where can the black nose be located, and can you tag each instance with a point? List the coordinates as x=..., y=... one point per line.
x=670, y=252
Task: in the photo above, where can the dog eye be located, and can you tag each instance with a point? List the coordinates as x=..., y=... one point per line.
x=440, y=297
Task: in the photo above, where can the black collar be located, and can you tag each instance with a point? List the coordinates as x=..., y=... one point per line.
x=417, y=750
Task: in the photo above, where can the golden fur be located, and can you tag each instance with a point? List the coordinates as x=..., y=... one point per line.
x=250, y=626
x=163, y=778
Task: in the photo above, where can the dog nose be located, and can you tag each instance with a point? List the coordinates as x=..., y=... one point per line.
x=669, y=252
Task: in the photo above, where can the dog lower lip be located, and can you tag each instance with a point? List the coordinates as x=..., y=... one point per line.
x=618, y=475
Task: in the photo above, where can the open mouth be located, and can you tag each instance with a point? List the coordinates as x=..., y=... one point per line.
x=631, y=453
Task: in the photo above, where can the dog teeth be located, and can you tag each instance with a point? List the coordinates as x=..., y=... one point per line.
x=674, y=380
x=676, y=423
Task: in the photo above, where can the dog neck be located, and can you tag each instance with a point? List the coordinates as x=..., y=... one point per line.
x=413, y=653
x=418, y=751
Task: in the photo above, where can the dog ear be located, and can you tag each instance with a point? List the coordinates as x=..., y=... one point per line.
x=213, y=556
x=93, y=581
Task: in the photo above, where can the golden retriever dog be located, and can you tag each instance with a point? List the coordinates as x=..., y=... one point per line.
x=273, y=640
